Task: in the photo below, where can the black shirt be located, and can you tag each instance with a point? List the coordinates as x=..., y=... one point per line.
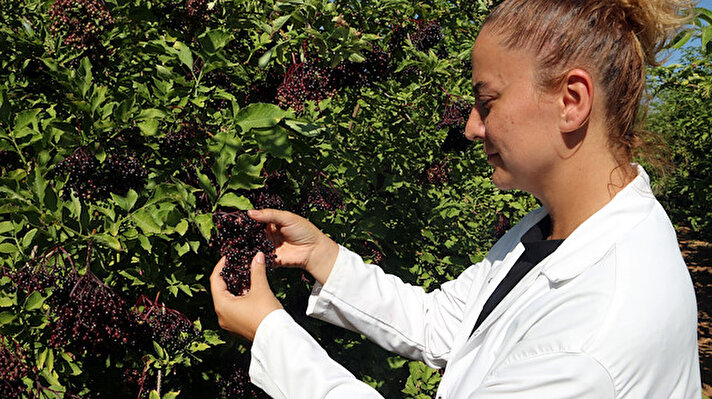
x=536, y=248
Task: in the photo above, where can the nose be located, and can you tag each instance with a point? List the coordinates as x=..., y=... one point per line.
x=475, y=127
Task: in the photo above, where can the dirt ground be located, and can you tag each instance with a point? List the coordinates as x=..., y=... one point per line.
x=698, y=255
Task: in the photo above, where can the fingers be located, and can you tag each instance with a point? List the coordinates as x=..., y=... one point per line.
x=217, y=285
x=258, y=273
x=277, y=217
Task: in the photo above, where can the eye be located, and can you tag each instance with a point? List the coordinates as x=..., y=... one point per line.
x=483, y=106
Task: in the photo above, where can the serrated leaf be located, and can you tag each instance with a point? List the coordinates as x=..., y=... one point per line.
x=154, y=395
x=234, y=201
x=34, y=301
x=212, y=338
x=159, y=351
x=260, y=115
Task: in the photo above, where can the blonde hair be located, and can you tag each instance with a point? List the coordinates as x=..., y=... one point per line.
x=613, y=39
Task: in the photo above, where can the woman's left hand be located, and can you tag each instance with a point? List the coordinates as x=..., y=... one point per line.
x=243, y=314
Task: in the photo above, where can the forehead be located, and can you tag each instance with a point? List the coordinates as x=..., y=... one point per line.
x=495, y=66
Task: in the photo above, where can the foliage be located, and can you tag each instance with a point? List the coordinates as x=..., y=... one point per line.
x=121, y=141
x=681, y=112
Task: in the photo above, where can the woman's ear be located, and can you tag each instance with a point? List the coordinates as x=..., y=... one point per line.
x=577, y=100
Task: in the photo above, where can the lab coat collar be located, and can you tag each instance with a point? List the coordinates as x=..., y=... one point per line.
x=597, y=235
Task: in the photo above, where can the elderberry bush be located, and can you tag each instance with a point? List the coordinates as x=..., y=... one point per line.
x=79, y=22
x=13, y=368
x=240, y=238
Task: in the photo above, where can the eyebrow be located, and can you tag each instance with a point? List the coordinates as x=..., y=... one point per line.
x=479, y=87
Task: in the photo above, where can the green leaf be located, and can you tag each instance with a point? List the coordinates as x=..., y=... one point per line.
x=148, y=127
x=24, y=118
x=214, y=40
x=6, y=317
x=234, y=201
x=27, y=239
x=84, y=79
x=182, y=227
x=7, y=248
x=34, y=301
x=159, y=351
x=171, y=395
x=150, y=113
x=204, y=223
x=275, y=141
x=305, y=128
x=259, y=115
x=110, y=241
x=184, y=54
x=6, y=226
x=5, y=108
x=154, y=395
x=126, y=202
x=264, y=58
x=145, y=221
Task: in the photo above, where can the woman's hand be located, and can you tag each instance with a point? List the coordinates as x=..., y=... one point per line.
x=243, y=314
x=298, y=243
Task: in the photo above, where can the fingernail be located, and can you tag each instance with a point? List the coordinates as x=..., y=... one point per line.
x=260, y=258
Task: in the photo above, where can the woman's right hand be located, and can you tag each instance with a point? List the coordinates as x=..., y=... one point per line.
x=298, y=243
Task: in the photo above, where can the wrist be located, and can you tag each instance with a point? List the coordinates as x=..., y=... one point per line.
x=323, y=260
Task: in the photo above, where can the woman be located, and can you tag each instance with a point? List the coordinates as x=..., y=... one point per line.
x=587, y=297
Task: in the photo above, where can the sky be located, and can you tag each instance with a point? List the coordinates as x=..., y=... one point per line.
x=675, y=55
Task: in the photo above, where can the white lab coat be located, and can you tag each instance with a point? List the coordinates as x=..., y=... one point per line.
x=610, y=314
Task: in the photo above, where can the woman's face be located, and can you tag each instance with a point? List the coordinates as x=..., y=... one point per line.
x=517, y=122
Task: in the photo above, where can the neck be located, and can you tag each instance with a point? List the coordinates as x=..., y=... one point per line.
x=572, y=199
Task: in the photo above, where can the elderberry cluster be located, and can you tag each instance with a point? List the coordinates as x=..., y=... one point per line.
x=427, y=35
x=29, y=279
x=502, y=226
x=454, y=119
x=240, y=238
x=182, y=141
x=235, y=384
x=436, y=174
x=375, y=67
x=188, y=16
x=91, y=180
x=371, y=251
x=91, y=318
x=169, y=328
x=305, y=82
x=13, y=368
x=79, y=21
x=321, y=198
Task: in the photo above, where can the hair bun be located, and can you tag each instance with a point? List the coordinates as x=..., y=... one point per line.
x=656, y=22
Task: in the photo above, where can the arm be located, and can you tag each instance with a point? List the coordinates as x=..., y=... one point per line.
x=288, y=363
x=397, y=316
